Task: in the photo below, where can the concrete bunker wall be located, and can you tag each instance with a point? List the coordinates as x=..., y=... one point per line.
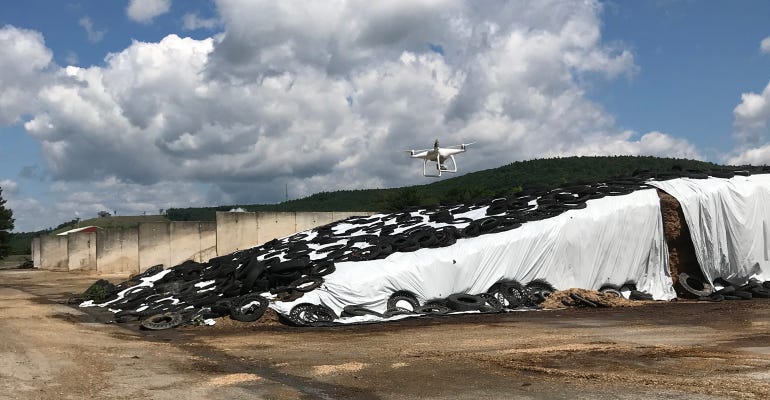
x=133, y=250
x=117, y=250
x=53, y=253
x=81, y=251
x=235, y=231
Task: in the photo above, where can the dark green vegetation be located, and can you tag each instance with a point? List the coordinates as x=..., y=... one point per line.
x=489, y=183
x=6, y=225
x=496, y=182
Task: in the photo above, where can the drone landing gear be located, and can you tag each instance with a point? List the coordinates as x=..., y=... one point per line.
x=440, y=166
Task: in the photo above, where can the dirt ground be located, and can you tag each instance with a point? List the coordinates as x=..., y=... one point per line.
x=676, y=350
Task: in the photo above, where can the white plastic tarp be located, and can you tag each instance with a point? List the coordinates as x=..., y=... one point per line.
x=612, y=241
x=728, y=221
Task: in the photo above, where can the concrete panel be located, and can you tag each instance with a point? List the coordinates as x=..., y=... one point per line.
x=117, y=250
x=154, y=245
x=340, y=215
x=53, y=253
x=309, y=220
x=81, y=251
x=272, y=225
x=35, y=251
x=236, y=231
x=208, y=242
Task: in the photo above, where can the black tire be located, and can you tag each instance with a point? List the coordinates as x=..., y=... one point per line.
x=725, y=290
x=358, y=311
x=434, y=309
x=743, y=295
x=248, y=308
x=611, y=292
x=162, y=321
x=307, y=314
x=487, y=224
x=397, y=298
x=582, y=301
x=516, y=294
x=714, y=298
x=392, y=312
x=465, y=302
x=541, y=285
x=694, y=286
x=256, y=269
x=322, y=268
x=638, y=295
x=493, y=304
x=306, y=283
x=149, y=272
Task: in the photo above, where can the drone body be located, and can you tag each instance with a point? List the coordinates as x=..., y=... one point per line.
x=439, y=156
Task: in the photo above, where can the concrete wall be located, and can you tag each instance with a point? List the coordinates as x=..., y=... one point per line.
x=271, y=225
x=81, y=251
x=171, y=243
x=154, y=245
x=236, y=231
x=35, y=252
x=117, y=250
x=208, y=241
x=309, y=220
x=190, y=240
x=53, y=253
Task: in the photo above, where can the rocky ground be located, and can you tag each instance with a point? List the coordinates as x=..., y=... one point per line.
x=656, y=351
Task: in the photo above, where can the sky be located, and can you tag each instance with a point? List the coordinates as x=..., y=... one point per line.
x=136, y=106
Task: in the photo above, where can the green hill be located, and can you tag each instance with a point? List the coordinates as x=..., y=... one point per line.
x=488, y=183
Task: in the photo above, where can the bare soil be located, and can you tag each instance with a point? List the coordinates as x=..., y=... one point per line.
x=657, y=350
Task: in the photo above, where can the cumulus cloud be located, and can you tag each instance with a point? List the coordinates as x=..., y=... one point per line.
x=322, y=95
x=764, y=45
x=192, y=22
x=94, y=35
x=750, y=129
x=144, y=11
x=24, y=59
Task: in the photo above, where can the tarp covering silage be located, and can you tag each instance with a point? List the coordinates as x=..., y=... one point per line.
x=612, y=241
x=728, y=221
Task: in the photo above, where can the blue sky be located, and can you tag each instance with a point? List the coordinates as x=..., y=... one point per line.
x=135, y=106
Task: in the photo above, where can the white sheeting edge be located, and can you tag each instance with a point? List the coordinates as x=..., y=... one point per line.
x=613, y=240
x=728, y=221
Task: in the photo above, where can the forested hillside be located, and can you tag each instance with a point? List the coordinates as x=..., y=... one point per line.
x=469, y=187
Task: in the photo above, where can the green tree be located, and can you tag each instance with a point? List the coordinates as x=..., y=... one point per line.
x=6, y=225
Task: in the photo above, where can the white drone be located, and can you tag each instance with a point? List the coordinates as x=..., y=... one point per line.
x=438, y=155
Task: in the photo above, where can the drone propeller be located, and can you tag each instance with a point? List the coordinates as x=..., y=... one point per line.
x=463, y=145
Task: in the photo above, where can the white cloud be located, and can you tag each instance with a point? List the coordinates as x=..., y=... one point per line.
x=24, y=59
x=750, y=129
x=94, y=35
x=144, y=11
x=753, y=156
x=192, y=22
x=8, y=186
x=322, y=95
x=764, y=45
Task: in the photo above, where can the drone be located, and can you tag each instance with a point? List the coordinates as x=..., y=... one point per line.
x=440, y=156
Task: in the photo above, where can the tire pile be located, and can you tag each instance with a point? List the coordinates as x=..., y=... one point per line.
x=242, y=284
x=728, y=291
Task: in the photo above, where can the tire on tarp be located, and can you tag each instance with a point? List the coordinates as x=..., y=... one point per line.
x=248, y=308
x=398, y=297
